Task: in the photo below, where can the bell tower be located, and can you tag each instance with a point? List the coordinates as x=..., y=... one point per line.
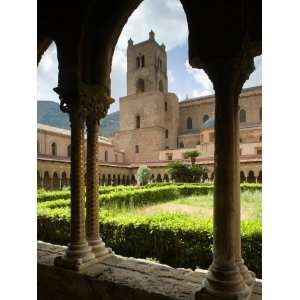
x=146, y=66
x=149, y=114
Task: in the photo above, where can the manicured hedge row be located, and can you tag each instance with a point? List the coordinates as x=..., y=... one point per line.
x=174, y=239
x=137, y=196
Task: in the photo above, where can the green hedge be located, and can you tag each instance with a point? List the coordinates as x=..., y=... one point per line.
x=174, y=239
x=152, y=193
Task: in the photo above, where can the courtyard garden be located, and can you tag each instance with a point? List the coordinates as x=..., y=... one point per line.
x=169, y=223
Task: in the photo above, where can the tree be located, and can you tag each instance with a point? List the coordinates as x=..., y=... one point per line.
x=143, y=175
x=179, y=172
x=192, y=155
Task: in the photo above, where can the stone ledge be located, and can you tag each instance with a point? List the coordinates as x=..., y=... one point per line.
x=116, y=278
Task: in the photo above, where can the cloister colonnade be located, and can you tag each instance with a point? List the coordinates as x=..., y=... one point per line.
x=85, y=34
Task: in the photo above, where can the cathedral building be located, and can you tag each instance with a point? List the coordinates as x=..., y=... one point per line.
x=155, y=128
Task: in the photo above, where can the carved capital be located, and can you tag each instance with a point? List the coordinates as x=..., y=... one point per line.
x=96, y=100
x=89, y=101
x=228, y=76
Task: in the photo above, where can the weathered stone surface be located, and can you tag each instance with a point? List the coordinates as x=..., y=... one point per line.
x=116, y=278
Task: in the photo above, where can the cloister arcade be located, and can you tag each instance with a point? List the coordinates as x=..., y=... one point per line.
x=86, y=35
x=50, y=176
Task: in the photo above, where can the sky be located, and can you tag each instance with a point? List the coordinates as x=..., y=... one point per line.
x=167, y=19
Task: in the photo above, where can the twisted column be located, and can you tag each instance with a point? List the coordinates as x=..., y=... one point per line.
x=92, y=202
x=97, y=101
x=78, y=252
x=228, y=277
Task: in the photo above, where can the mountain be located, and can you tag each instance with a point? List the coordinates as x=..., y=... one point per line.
x=49, y=113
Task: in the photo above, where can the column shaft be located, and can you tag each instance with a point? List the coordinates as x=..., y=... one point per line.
x=92, y=204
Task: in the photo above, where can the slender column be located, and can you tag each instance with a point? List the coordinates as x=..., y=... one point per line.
x=92, y=202
x=226, y=278
x=248, y=276
x=78, y=252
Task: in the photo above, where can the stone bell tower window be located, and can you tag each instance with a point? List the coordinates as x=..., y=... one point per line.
x=138, y=121
x=140, y=85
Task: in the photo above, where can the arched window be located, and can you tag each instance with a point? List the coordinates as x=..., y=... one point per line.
x=54, y=149
x=38, y=147
x=105, y=156
x=140, y=85
x=166, y=106
x=138, y=121
x=137, y=150
x=143, y=61
x=137, y=62
x=260, y=114
x=251, y=177
x=69, y=150
x=242, y=177
x=167, y=133
x=205, y=118
x=189, y=123
x=242, y=116
x=161, y=86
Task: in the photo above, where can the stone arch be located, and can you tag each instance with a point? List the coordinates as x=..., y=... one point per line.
x=118, y=179
x=123, y=179
x=103, y=180
x=128, y=180
x=54, y=149
x=158, y=178
x=243, y=116
x=133, y=180
x=56, y=181
x=108, y=179
x=251, y=177
x=152, y=178
x=140, y=85
x=39, y=180
x=189, y=123
x=64, y=179
x=259, y=177
x=242, y=177
x=212, y=176
x=166, y=178
x=47, y=181
x=114, y=180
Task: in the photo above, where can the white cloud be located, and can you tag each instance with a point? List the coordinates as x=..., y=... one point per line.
x=201, y=79
x=171, y=77
x=163, y=17
x=48, y=75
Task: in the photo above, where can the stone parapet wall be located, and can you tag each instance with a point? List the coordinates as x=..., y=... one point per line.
x=116, y=278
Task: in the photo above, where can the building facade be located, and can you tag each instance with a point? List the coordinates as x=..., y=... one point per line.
x=155, y=128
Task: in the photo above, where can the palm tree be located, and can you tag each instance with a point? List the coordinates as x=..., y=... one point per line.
x=192, y=155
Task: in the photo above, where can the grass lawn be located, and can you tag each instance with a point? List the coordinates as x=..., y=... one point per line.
x=200, y=206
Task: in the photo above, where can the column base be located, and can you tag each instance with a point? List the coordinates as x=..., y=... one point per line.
x=249, y=276
x=77, y=257
x=100, y=251
x=224, y=284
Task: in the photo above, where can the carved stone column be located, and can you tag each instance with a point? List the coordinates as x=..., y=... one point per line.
x=97, y=102
x=228, y=277
x=78, y=253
